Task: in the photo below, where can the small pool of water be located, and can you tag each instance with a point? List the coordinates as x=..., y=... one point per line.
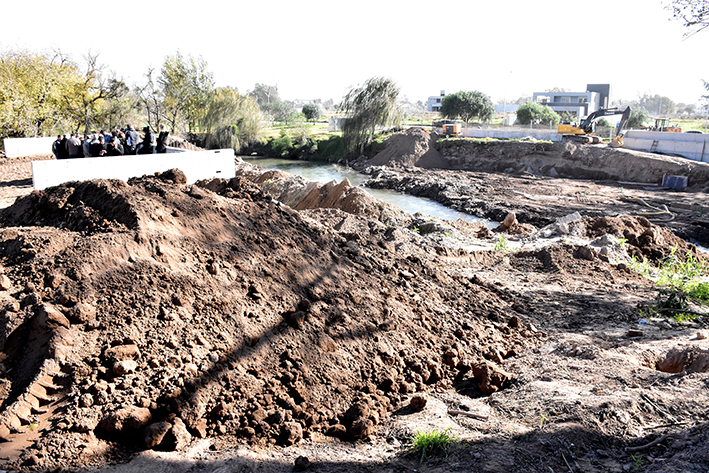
x=326, y=172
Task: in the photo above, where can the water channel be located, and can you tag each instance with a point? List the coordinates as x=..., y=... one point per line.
x=326, y=172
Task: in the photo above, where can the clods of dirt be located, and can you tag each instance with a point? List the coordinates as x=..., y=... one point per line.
x=148, y=313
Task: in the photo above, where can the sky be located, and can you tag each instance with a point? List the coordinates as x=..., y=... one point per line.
x=313, y=49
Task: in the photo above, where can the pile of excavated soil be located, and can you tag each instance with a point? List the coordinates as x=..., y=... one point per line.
x=411, y=147
x=423, y=148
x=143, y=314
x=212, y=327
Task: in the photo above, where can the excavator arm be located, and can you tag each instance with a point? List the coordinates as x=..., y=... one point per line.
x=588, y=124
x=585, y=132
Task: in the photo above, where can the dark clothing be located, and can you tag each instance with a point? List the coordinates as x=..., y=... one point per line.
x=147, y=147
x=114, y=148
x=131, y=141
x=56, y=147
x=63, y=152
x=97, y=149
x=162, y=139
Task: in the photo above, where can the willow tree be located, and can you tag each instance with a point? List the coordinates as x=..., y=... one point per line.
x=231, y=120
x=370, y=106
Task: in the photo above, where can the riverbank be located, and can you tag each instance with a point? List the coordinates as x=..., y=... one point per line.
x=492, y=179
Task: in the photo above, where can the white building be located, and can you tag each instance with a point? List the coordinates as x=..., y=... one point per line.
x=434, y=102
x=578, y=104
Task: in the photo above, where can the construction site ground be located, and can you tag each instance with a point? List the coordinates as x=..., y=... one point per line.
x=269, y=324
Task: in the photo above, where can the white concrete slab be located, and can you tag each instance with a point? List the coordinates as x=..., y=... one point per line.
x=517, y=134
x=196, y=165
x=16, y=147
x=689, y=145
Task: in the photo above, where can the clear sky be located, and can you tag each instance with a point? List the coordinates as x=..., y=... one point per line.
x=320, y=49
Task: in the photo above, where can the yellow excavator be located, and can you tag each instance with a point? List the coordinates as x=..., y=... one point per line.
x=586, y=131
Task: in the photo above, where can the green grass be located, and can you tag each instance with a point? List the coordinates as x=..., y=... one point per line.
x=679, y=282
x=429, y=443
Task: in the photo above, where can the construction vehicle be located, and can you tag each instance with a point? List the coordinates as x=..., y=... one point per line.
x=448, y=128
x=452, y=129
x=586, y=131
x=663, y=124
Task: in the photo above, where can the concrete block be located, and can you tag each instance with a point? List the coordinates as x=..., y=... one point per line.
x=196, y=165
x=16, y=147
x=675, y=182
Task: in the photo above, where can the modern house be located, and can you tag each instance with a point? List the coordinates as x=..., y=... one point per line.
x=434, y=102
x=577, y=104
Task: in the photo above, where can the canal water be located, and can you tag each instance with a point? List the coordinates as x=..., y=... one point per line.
x=326, y=172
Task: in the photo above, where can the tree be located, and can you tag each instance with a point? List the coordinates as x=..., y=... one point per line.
x=312, y=112
x=32, y=91
x=280, y=111
x=370, y=106
x=638, y=117
x=534, y=113
x=655, y=104
x=156, y=107
x=186, y=84
x=265, y=95
x=467, y=105
x=231, y=120
x=694, y=14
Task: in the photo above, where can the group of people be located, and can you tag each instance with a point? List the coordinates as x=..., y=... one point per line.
x=120, y=142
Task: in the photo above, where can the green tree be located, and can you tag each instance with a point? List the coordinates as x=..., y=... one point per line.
x=534, y=113
x=655, y=104
x=232, y=120
x=467, y=105
x=638, y=118
x=312, y=111
x=280, y=111
x=370, y=106
x=694, y=14
x=265, y=95
x=32, y=91
x=186, y=85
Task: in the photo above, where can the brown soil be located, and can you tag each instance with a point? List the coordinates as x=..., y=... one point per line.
x=158, y=325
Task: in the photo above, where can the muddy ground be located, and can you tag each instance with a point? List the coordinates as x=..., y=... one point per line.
x=172, y=327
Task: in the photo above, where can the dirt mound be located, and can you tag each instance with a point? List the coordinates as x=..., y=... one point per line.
x=419, y=147
x=411, y=147
x=644, y=239
x=112, y=294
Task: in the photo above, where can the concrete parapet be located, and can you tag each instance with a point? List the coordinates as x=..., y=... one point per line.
x=16, y=147
x=196, y=165
x=514, y=134
x=689, y=145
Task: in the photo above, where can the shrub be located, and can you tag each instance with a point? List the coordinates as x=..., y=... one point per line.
x=535, y=113
x=281, y=147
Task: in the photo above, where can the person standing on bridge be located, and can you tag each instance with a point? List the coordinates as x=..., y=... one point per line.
x=148, y=139
x=162, y=140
